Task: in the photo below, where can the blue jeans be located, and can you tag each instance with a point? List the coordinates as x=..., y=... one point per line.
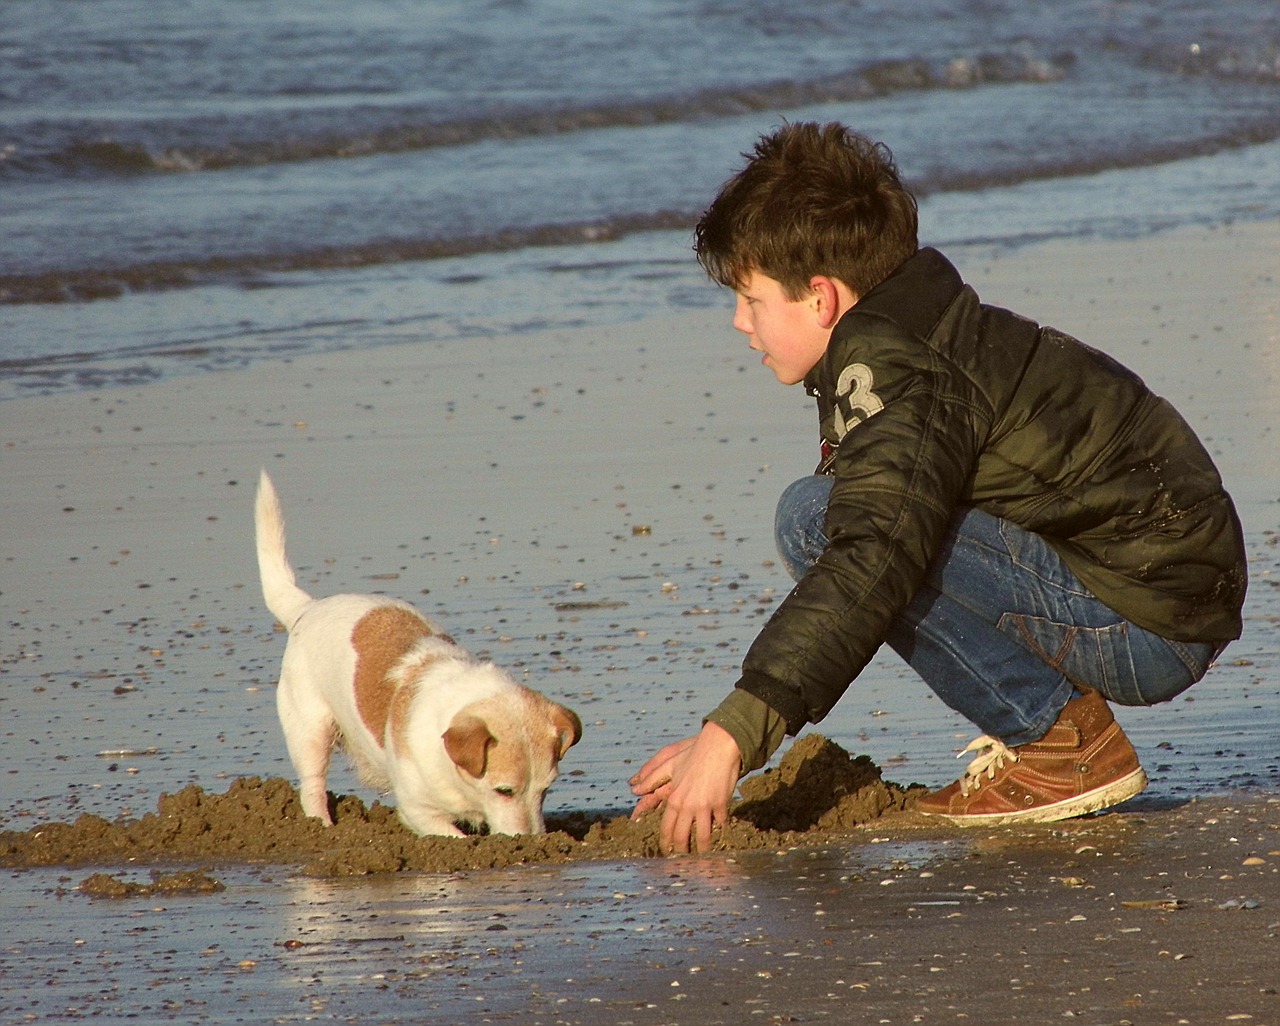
x=1002, y=630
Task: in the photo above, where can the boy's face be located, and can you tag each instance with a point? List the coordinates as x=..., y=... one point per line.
x=792, y=333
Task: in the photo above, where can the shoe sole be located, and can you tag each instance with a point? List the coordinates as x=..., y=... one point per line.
x=1080, y=805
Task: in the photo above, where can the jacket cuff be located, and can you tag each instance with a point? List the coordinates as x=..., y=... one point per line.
x=757, y=729
x=788, y=704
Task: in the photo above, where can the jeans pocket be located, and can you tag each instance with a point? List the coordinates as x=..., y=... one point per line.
x=1129, y=665
x=1095, y=657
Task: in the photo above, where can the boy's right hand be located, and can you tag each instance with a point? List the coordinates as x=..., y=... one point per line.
x=695, y=779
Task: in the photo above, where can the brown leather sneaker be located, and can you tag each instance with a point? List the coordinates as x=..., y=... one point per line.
x=1083, y=764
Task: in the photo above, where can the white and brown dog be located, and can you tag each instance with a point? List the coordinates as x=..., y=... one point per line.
x=456, y=739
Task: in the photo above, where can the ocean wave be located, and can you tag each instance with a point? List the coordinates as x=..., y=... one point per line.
x=86, y=284
x=1257, y=61
x=364, y=130
x=258, y=270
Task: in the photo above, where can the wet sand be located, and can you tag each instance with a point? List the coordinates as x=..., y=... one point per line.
x=1166, y=914
x=593, y=511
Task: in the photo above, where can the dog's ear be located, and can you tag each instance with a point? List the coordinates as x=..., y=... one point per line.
x=568, y=727
x=467, y=741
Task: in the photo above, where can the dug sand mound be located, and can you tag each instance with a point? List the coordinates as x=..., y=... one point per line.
x=817, y=790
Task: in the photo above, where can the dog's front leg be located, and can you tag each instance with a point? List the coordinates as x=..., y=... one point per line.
x=315, y=798
x=310, y=733
x=309, y=751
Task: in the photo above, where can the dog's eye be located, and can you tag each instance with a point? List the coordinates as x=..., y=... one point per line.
x=505, y=791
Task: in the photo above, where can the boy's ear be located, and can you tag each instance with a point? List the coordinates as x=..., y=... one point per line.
x=832, y=299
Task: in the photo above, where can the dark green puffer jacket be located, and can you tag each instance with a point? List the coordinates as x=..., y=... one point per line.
x=932, y=401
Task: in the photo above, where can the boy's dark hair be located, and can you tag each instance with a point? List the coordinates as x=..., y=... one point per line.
x=812, y=199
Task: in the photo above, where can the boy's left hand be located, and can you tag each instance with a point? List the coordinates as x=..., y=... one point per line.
x=695, y=778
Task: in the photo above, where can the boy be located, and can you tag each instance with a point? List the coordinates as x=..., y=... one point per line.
x=1028, y=526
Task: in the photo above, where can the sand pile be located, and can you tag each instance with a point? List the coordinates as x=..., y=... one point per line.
x=817, y=789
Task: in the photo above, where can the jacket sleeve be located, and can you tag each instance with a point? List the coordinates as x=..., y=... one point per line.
x=757, y=728
x=912, y=429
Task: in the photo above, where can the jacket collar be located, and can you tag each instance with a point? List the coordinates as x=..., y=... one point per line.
x=914, y=298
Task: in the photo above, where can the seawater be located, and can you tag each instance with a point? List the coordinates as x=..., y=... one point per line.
x=186, y=186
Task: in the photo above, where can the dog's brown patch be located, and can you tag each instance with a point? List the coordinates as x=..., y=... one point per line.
x=398, y=713
x=381, y=638
x=411, y=672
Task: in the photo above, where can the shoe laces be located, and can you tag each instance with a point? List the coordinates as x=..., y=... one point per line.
x=993, y=754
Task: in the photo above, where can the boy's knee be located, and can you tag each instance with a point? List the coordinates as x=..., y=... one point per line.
x=801, y=500
x=812, y=488
x=798, y=525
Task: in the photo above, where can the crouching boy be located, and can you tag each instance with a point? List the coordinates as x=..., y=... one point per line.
x=1030, y=528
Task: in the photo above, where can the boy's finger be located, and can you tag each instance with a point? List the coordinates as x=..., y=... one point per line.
x=647, y=785
x=675, y=832
x=660, y=759
x=720, y=814
x=649, y=801
x=704, y=833
x=651, y=767
x=643, y=771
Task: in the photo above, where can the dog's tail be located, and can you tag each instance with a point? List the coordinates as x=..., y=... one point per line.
x=279, y=587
